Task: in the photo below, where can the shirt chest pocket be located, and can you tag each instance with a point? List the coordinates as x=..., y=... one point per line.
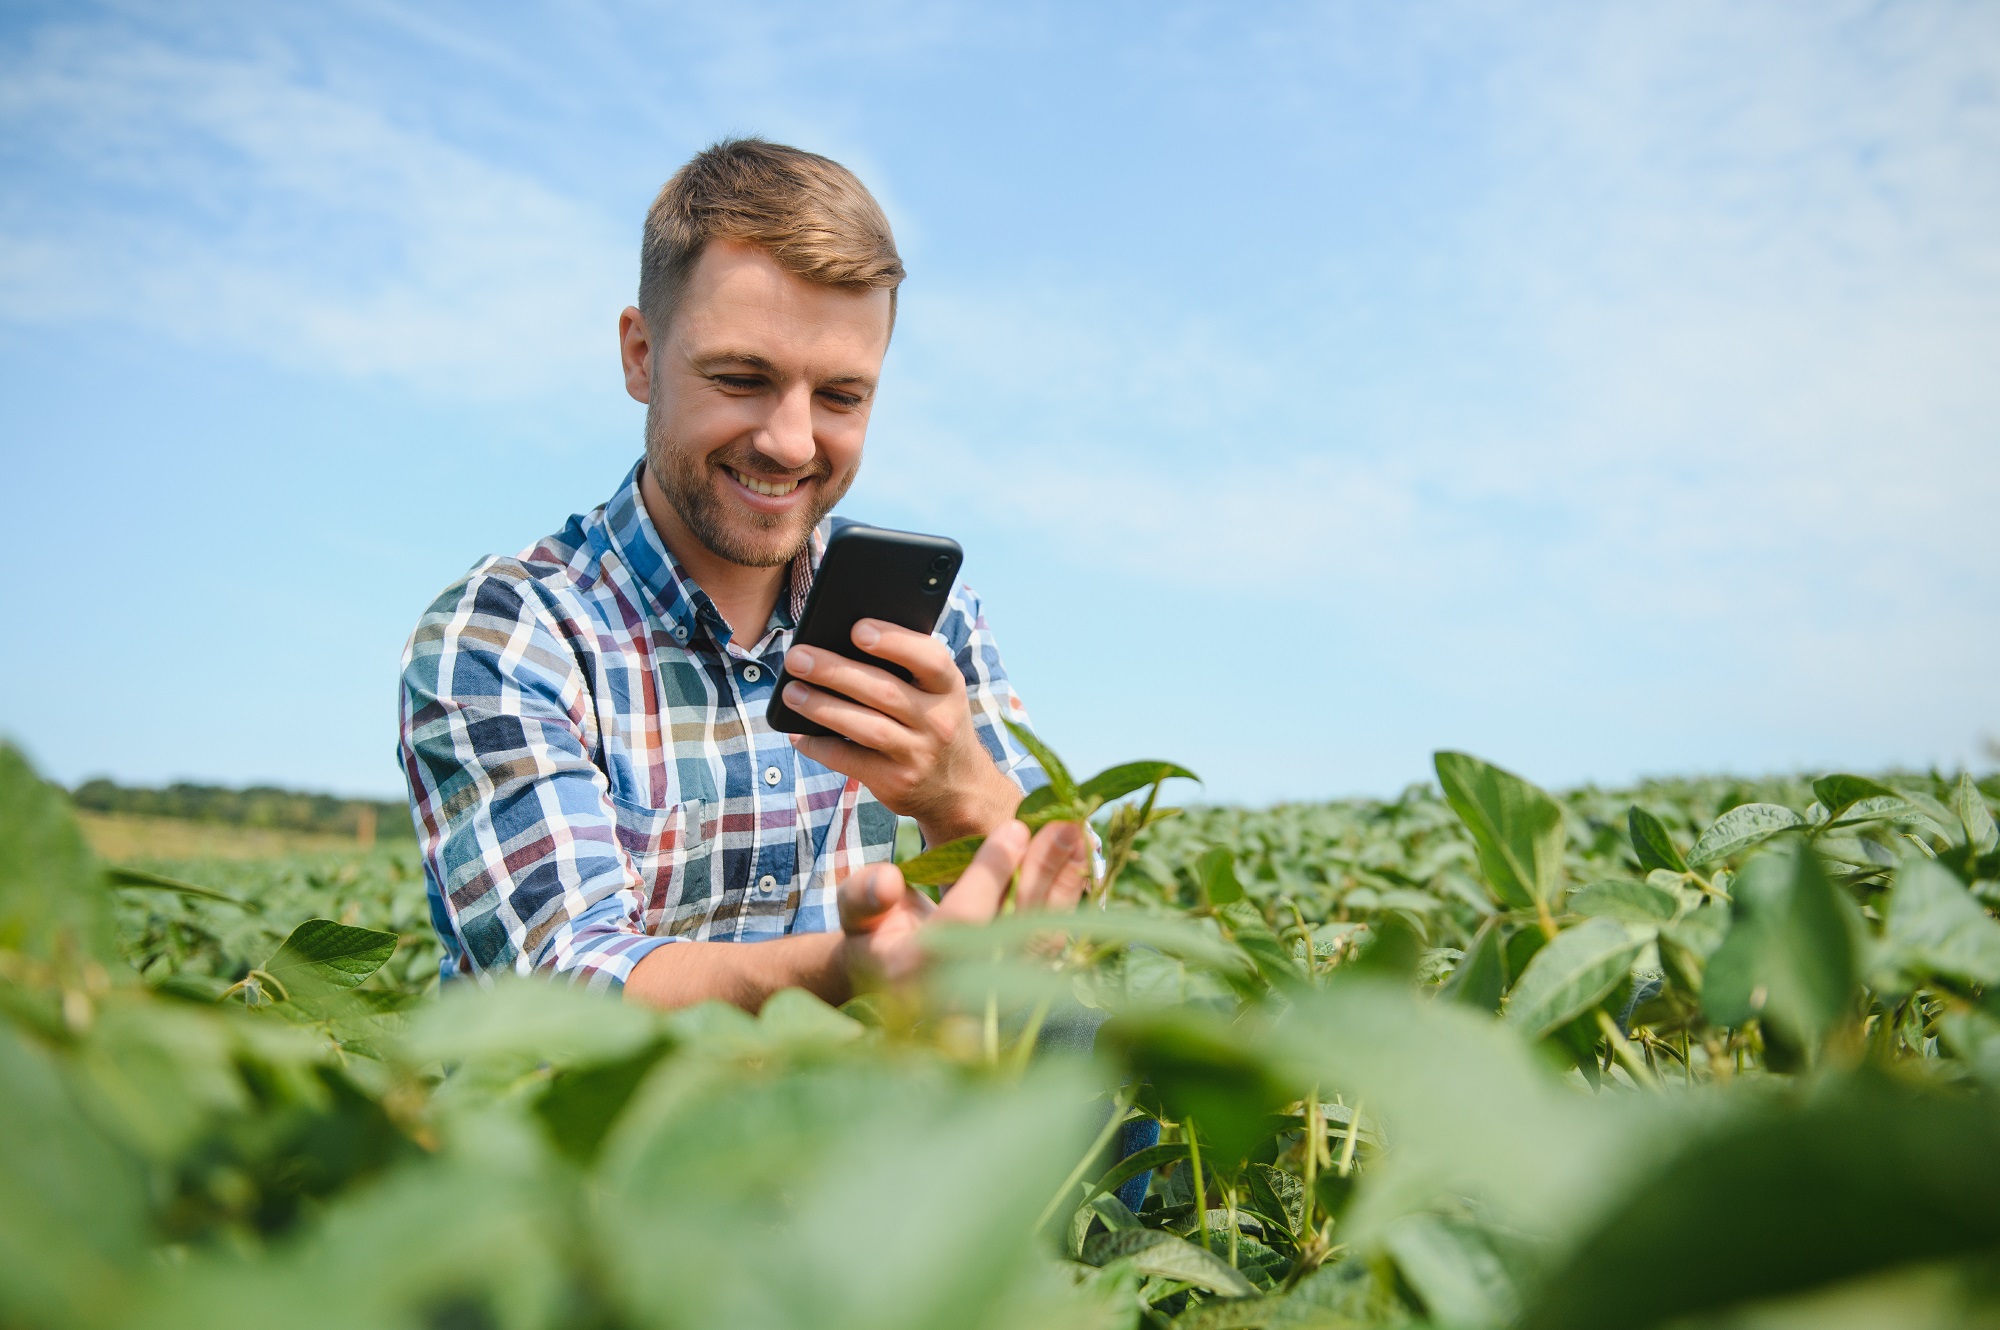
x=675, y=852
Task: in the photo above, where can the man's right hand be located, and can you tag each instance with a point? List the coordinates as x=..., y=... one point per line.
x=883, y=917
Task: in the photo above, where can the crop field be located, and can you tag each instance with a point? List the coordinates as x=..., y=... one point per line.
x=1702, y=1053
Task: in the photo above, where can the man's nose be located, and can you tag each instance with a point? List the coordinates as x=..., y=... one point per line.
x=787, y=436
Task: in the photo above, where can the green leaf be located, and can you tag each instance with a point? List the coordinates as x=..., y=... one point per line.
x=140, y=880
x=52, y=897
x=1152, y=1252
x=73, y=1223
x=1037, y=806
x=1934, y=926
x=1060, y=780
x=1119, y=781
x=1182, y=938
x=1794, y=942
x=1248, y=929
x=1838, y=793
x=1141, y=1161
x=1786, y=1195
x=1205, y=1068
x=321, y=955
x=1279, y=1194
x=1740, y=828
x=1650, y=841
x=580, y=1106
x=1480, y=978
x=1572, y=974
x=1981, y=835
x=527, y=1022
x=1516, y=828
x=1453, y=1270
x=1635, y=902
x=942, y=865
x=1216, y=872
x=1729, y=981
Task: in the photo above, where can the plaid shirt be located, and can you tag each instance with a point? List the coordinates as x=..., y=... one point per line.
x=591, y=773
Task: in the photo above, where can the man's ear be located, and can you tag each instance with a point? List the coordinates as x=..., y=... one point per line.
x=635, y=349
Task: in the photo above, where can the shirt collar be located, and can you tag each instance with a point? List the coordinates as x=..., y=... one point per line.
x=677, y=598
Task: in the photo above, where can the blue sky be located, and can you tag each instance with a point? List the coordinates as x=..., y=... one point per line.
x=1603, y=389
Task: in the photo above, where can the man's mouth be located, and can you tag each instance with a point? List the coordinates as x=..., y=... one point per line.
x=770, y=489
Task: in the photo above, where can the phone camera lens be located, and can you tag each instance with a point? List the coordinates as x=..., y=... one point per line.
x=941, y=564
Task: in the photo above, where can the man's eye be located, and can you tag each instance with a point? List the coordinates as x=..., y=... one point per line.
x=743, y=383
x=846, y=401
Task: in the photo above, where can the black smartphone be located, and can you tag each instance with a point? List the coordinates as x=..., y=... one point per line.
x=868, y=572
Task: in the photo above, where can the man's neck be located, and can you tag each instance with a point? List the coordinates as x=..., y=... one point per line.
x=743, y=595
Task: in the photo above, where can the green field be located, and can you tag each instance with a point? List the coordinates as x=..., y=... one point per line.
x=1706, y=1052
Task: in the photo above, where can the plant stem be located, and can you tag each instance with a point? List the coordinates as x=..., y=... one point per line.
x=1312, y=1159
x=1346, y=1164
x=1116, y=1120
x=1634, y=1065
x=991, y=1030
x=1200, y=1191
x=1024, y=1047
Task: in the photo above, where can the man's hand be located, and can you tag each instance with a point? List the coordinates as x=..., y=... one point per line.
x=912, y=744
x=883, y=918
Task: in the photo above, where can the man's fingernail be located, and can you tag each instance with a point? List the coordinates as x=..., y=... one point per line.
x=795, y=693
x=801, y=661
x=866, y=634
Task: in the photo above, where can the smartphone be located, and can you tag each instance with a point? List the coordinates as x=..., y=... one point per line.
x=868, y=572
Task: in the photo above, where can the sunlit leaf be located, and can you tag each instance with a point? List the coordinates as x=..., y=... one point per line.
x=321, y=955
x=1572, y=974
x=1838, y=793
x=1480, y=978
x=1216, y=872
x=1638, y=902
x=1060, y=780
x=1119, y=781
x=1740, y=828
x=1935, y=927
x=1155, y=1253
x=1517, y=828
x=1453, y=1270
x=1974, y=816
x=942, y=865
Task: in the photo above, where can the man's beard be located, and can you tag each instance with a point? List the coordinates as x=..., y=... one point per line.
x=752, y=539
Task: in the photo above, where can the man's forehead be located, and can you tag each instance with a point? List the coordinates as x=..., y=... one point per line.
x=739, y=299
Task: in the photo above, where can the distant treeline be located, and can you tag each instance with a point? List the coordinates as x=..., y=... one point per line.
x=258, y=806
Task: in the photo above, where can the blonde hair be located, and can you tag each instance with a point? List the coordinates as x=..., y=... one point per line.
x=809, y=213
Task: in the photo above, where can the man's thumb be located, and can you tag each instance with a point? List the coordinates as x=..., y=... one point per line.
x=867, y=895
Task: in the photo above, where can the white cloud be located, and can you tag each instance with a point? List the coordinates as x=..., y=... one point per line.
x=229, y=201
x=1745, y=263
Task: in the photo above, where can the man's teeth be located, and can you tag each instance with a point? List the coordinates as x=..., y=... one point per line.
x=772, y=489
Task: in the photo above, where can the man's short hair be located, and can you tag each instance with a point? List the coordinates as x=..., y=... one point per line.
x=807, y=212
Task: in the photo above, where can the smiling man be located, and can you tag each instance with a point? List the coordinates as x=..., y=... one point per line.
x=595, y=787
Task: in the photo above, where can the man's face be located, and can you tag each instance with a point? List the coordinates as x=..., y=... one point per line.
x=757, y=398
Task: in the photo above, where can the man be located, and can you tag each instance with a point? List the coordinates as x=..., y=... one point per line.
x=596, y=790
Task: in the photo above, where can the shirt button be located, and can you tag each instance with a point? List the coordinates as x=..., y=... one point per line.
x=751, y=674
x=680, y=632
x=766, y=885
x=772, y=775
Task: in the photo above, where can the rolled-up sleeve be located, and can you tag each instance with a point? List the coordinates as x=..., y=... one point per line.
x=515, y=822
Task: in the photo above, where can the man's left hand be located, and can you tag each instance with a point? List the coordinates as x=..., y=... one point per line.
x=914, y=744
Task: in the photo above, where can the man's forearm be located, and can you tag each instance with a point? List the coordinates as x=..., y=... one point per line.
x=744, y=973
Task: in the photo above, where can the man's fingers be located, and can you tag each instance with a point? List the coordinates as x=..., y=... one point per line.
x=976, y=897
x=868, y=895
x=864, y=725
x=927, y=659
x=1054, y=862
x=870, y=685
